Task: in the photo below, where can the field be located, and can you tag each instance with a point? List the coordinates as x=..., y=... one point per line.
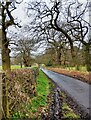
x=80, y=68
x=13, y=67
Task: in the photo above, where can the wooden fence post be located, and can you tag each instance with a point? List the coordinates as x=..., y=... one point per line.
x=0, y=96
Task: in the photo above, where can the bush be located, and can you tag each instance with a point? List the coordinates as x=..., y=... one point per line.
x=49, y=63
x=21, y=88
x=36, y=71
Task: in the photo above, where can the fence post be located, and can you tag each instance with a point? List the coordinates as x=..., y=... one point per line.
x=0, y=95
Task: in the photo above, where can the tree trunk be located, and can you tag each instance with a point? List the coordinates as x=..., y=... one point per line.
x=5, y=98
x=26, y=61
x=5, y=59
x=58, y=57
x=5, y=53
x=1, y=96
x=5, y=65
x=73, y=56
x=5, y=43
x=87, y=57
x=21, y=64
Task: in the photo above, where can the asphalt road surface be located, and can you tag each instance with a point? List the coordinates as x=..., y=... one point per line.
x=78, y=90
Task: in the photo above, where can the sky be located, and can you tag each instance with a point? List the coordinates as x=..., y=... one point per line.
x=20, y=12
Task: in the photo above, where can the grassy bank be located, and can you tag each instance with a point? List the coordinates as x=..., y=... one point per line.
x=39, y=103
x=68, y=113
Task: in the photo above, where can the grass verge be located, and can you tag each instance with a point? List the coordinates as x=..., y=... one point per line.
x=39, y=103
x=68, y=113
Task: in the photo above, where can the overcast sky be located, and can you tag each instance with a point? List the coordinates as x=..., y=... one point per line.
x=20, y=11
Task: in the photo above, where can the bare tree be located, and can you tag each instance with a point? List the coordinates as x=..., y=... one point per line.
x=24, y=48
x=57, y=41
x=7, y=21
x=6, y=8
x=82, y=28
x=65, y=17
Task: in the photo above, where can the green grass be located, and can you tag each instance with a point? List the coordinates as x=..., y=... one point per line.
x=68, y=113
x=81, y=68
x=13, y=67
x=43, y=89
x=16, y=67
x=76, y=68
x=39, y=102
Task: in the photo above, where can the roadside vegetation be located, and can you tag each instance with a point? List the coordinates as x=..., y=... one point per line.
x=81, y=74
x=77, y=68
x=68, y=113
x=60, y=107
x=27, y=93
x=39, y=102
x=21, y=88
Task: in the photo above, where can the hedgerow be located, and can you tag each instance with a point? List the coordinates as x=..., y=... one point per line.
x=21, y=88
